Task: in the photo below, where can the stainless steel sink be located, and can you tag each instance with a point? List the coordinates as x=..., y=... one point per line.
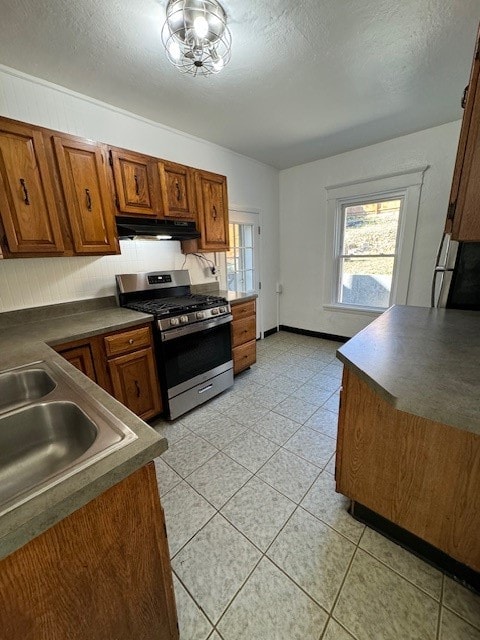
x=48, y=440
x=22, y=386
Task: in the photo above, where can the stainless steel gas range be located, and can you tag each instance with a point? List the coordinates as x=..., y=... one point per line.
x=192, y=336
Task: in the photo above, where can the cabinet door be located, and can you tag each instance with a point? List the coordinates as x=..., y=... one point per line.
x=463, y=219
x=103, y=572
x=135, y=184
x=178, y=193
x=135, y=382
x=27, y=201
x=81, y=358
x=88, y=200
x=212, y=204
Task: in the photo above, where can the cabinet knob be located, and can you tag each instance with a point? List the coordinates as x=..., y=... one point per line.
x=131, y=341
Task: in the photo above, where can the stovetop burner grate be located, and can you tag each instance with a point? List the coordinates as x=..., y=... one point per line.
x=176, y=305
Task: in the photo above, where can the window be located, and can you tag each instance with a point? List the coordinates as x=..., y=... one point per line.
x=367, y=252
x=240, y=258
x=370, y=238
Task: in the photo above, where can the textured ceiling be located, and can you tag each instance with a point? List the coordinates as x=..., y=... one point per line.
x=308, y=78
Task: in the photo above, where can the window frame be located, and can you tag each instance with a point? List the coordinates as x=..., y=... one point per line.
x=406, y=185
x=240, y=263
x=342, y=204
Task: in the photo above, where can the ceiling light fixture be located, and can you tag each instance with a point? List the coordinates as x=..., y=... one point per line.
x=196, y=37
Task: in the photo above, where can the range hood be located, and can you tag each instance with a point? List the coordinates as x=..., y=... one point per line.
x=155, y=229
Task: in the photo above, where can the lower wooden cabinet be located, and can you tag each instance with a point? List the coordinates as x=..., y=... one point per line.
x=82, y=358
x=122, y=363
x=419, y=474
x=135, y=384
x=102, y=572
x=244, y=333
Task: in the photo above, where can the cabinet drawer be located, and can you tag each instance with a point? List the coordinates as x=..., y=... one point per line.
x=244, y=356
x=243, y=310
x=244, y=330
x=127, y=341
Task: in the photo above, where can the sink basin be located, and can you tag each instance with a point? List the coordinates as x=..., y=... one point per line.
x=38, y=442
x=23, y=386
x=50, y=429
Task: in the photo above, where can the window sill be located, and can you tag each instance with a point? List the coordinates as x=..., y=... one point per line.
x=345, y=308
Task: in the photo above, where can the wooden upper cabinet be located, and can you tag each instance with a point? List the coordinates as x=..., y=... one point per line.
x=178, y=191
x=136, y=185
x=463, y=219
x=212, y=202
x=27, y=201
x=88, y=201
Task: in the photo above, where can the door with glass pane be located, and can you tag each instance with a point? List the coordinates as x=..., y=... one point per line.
x=243, y=273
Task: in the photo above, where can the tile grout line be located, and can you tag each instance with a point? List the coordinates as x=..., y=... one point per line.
x=440, y=609
x=400, y=575
x=342, y=584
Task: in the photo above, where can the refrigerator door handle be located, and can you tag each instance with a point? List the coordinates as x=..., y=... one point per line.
x=446, y=270
x=438, y=269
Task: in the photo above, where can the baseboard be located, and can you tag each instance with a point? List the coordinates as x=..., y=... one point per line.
x=417, y=546
x=270, y=332
x=314, y=334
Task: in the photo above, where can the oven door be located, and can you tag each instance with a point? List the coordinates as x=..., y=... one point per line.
x=195, y=353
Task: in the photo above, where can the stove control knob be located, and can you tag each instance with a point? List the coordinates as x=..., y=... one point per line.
x=215, y=311
x=223, y=309
x=200, y=315
x=183, y=319
x=174, y=321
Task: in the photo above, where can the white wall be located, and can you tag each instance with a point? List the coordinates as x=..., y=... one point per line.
x=40, y=281
x=303, y=210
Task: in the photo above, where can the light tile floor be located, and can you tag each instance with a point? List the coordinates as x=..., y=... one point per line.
x=262, y=547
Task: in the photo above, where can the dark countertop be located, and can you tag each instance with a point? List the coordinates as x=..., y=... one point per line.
x=27, y=341
x=422, y=361
x=236, y=297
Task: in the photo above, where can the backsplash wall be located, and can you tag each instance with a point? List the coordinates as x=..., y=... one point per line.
x=36, y=282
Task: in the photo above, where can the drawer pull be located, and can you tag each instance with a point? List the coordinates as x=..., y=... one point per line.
x=207, y=388
x=131, y=341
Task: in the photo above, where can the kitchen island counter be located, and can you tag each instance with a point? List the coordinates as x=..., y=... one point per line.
x=422, y=361
x=25, y=340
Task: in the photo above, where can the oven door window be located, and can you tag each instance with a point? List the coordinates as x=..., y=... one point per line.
x=191, y=355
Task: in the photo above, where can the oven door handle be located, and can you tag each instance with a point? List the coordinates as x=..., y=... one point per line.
x=172, y=334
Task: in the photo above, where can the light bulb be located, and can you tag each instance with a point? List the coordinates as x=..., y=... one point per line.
x=200, y=25
x=163, y=237
x=174, y=50
x=218, y=64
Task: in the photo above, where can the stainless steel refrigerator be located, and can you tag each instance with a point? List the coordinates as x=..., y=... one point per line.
x=456, y=279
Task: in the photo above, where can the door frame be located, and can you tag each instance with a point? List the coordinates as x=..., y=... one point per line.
x=251, y=215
